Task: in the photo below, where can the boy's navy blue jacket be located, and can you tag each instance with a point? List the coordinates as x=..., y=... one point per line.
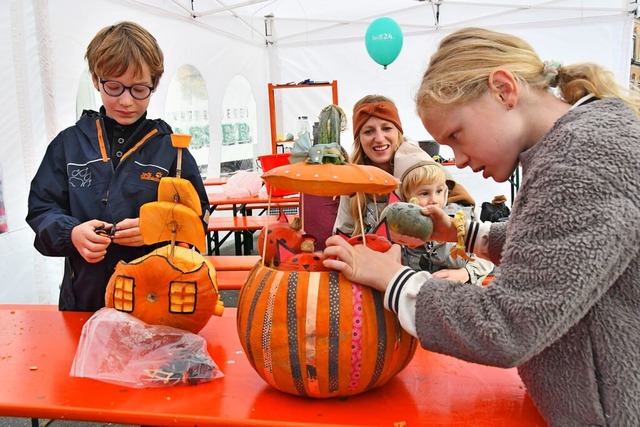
x=76, y=182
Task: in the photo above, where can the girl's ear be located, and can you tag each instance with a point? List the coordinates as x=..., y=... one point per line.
x=504, y=86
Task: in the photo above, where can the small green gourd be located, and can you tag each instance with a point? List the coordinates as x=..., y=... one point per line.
x=407, y=225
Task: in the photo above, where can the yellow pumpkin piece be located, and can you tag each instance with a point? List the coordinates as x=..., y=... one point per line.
x=179, y=190
x=158, y=220
x=180, y=140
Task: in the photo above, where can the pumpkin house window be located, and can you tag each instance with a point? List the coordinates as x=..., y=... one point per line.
x=123, y=294
x=182, y=297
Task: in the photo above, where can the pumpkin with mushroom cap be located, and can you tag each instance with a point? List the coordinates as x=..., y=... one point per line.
x=317, y=334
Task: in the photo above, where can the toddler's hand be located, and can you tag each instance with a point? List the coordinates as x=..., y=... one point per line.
x=457, y=274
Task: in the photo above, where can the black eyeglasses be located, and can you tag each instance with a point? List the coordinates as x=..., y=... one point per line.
x=114, y=88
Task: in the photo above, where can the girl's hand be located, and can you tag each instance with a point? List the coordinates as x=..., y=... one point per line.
x=361, y=264
x=91, y=245
x=443, y=228
x=457, y=274
x=128, y=232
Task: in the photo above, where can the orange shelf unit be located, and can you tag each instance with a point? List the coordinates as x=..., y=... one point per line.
x=272, y=103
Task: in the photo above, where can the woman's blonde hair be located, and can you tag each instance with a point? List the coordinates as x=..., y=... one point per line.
x=126, y=44
x=425, y=174
x=459, y=71
x=359, y=157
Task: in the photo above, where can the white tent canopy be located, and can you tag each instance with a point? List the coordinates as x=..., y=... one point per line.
x=42, y=46
x=321, y=21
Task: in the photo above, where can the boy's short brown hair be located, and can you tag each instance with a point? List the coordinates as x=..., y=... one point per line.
x=126, y=44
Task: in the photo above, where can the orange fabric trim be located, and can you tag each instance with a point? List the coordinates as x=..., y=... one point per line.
x=147, y=136
x=103, y=148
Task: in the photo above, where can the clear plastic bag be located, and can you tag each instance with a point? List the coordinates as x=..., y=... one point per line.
x=118, y=348
x=242, y=184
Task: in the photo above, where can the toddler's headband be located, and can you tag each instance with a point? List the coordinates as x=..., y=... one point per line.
x=382, y=110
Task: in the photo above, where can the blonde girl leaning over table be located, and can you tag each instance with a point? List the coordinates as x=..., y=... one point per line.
x=378, y=141
x=424, y=184
x=564, y=306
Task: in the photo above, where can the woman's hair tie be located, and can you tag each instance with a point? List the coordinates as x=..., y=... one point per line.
x=551, y=71
x=382, y=110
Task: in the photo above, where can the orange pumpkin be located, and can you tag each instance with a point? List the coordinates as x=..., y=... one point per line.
x=317, y=334
x=182, y=293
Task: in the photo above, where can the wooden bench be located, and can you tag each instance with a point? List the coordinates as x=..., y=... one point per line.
x=241, y=227
x=233, y=262
x=232, y=270
x=231, y=280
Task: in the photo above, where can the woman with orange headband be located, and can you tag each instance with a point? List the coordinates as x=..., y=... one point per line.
x=378, y=140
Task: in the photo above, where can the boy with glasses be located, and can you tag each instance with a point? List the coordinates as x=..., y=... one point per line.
x=85, y=198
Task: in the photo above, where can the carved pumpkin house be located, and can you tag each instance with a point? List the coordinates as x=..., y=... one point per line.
x=173, y=285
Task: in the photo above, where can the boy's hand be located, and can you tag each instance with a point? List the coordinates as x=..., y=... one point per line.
x=91, y=245
x=361, y=264
x=128, y=232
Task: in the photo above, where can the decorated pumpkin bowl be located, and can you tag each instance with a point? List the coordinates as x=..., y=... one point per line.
x=316, y=334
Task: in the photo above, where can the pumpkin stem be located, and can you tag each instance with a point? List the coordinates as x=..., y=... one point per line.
x=174, y=232
x=296, y=224
x=308, y=245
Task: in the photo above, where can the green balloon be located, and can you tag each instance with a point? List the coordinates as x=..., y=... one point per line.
x=383, y=40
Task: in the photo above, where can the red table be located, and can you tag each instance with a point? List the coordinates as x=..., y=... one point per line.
x=244, y=205
x=37, y=346
x=214, y=181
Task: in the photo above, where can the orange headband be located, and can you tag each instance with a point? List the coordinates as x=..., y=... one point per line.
x=382, y=110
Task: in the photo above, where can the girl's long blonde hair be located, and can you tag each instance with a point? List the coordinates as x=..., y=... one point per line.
x=459, y=71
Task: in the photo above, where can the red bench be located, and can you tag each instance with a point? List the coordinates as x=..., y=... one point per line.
x=232, y=270
x=233, y=262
